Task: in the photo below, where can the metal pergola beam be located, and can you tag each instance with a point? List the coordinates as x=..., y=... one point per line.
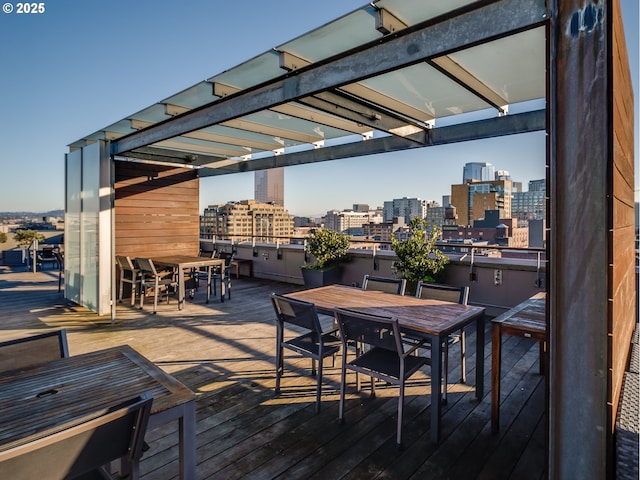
x=403, y=49
x=494, y=127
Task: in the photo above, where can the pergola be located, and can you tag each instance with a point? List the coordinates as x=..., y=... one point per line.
x=394, y=75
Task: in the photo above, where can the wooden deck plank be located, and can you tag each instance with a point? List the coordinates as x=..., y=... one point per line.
x=225, y=353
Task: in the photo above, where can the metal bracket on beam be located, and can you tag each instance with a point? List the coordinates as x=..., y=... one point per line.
x=387, y=22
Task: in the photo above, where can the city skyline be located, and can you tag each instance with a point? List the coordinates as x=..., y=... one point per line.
x=73, y=70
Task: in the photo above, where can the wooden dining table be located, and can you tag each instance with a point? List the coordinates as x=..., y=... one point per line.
x=433, y=320
x=180, y=263
x=44, y=397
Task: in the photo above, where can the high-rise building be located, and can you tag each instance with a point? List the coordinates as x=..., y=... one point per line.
x=527, y=206
x=404, y=207
x=473, y=198
x=269, y=186
x=479, y=171
x=245, y=221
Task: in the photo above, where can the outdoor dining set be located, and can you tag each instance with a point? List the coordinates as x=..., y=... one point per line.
x=51, y=407
x=172, y=274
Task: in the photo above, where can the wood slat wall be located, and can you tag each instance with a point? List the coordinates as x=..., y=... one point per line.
x=156, y=210
x=622, y=275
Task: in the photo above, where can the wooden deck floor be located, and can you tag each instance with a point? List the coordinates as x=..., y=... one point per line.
x=225, y=353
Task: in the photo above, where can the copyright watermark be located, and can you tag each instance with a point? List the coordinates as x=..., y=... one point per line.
x=24, y=8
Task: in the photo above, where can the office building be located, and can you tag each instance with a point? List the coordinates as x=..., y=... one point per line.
x=473, y=198
x=404, y=207
x=349, y=221
x=527, y=206
x=479, y=171
x=246, y=221
x=269, y=186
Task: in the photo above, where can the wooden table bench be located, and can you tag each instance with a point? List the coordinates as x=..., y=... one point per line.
x=525, y=320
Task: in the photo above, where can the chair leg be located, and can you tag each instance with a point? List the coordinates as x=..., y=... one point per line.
x=142, y=292
x=156, y=292
x=445, y=370
x=279, y=367
x=319, y=386
x=463, y=354
x=343, y=381
x=121, y=289
x=400, y=411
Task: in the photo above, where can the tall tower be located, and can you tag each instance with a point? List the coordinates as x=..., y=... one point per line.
x=269, y=186
x=479, y=171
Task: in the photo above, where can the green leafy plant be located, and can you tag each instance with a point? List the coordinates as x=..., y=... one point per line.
x=25, y=237
x=417, y=256
x=328, y=247
x=3, y=237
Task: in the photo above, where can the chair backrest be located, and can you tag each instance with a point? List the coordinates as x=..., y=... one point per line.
x=227, y=257
x=83, y=445
x=47, y=253
x=27, y=351
x=60, y=259
x=374, y=330
x=208, y=254
x=447, y=293
x=125, y=263
x=384, y=284
x=146, y=266
x=296, y=312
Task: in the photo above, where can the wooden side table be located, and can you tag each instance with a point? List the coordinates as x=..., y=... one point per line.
x=525, y=320
x=238, y=262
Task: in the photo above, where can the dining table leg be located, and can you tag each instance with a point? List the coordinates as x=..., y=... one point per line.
x=480, y=357
x=187, y=437
x=436, y=382
x=496, y=354
x=209, y=268
x=181, y=288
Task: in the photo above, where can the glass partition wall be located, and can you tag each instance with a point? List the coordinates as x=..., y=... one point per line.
x=88, y=210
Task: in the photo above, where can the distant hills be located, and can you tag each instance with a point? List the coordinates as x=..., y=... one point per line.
x=50, y=213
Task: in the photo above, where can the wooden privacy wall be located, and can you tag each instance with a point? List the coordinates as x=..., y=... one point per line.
x=156, y=210
x=622, y=290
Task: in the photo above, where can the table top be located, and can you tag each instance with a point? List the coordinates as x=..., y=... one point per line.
x=77, y=386
x=528, y=315
x=187, y=261
x=434, y=317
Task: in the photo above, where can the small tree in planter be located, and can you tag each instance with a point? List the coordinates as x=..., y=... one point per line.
x=330, y=249
x=417, y=256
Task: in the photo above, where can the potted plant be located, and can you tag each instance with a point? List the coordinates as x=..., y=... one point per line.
x=417, y=255
x=329, y=249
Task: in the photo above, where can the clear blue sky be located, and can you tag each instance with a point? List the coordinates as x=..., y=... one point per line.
x=84, y=64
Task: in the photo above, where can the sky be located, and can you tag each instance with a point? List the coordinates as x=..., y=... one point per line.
x=83, y=64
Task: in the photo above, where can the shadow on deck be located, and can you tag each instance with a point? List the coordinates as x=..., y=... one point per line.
x=225, y=353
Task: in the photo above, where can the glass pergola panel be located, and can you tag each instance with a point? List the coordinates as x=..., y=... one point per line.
x=513, y=67
x=412, y=12
x=480, y=81
x=426, y=89
x=356, y=28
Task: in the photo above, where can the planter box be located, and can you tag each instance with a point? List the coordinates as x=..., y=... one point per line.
x=319, y=278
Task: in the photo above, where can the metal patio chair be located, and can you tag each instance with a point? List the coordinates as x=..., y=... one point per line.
x=385, y=359
x=454, y=294
x=81, y=449
x=35, y=349
x=315, y=343
x=128, y=274
x=156, y=280
x=384, y=284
